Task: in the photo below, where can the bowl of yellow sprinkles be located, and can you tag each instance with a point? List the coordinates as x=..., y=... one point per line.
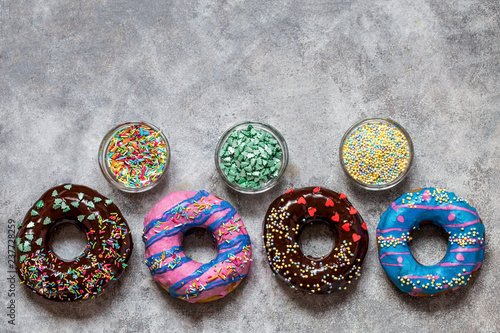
x=376, y=153
x=134, y=156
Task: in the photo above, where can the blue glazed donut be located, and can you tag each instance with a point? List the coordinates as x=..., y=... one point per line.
x=466, y=242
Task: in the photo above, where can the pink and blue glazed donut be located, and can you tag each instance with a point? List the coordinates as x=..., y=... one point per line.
x=466, y=242
x=164, y=229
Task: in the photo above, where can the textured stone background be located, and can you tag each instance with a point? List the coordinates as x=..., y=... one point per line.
x=71, y=70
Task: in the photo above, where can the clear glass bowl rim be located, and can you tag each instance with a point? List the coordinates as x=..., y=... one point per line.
x=260, y=126
x=401, y=176
x=103, y=164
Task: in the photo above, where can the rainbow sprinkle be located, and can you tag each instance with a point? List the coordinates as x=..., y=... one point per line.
x=137, y=155
x=376, y=153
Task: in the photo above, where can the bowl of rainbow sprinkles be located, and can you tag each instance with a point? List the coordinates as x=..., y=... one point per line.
x=134, y=156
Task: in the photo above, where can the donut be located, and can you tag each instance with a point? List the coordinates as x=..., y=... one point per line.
x=444, y=209
x=97, y=268
x=284, y=222
x=164, y=229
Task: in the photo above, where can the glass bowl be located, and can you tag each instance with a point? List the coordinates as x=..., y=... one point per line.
x=392, y=178
x=144, y=183
x=263, y=185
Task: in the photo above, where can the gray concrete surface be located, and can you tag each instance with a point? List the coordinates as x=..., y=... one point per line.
x=71, y=70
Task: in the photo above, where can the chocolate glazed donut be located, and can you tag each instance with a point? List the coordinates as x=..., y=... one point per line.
x=103, y=260
x=283, y=224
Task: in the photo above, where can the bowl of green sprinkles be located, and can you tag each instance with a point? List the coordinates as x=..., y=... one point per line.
x=376, y=153
x=251, y=157
x=134, y=156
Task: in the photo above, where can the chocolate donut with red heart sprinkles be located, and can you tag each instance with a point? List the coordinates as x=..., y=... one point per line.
x=284, y=222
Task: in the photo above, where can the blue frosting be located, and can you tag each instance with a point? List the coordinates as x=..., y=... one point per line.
x=466, y=243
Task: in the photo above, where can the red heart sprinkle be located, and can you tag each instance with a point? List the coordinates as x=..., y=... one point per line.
x=289, y=191
x=336, y=217
x=352, y=211
x=311, y=211
x=316, y=190
x=346, y=226
x=356, y=237
x=363, y=225
x=329, y=203
x=343, y=196
x=301, y=201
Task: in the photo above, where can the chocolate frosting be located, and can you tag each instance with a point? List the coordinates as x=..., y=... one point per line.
x=283, y=224
x=103, y=260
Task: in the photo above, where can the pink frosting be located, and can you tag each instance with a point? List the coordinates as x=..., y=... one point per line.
x=200, y=283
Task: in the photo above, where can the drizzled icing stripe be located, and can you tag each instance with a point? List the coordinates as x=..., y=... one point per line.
x=171, y=266
x=173, y=211
x=444, y=207
x=237, y=241
x=468, y=250
x=435, y=277
x=461, y=225
x=393, y=253
x=391, y=229
x=162, y=255
x=453, y=264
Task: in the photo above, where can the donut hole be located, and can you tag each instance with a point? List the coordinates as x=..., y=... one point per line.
x=317, y=239
x=199, y=245
x=68, y=239
x=429, y=243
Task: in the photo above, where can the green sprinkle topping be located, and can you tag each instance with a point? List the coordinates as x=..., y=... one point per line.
x=29, y=237
x=68, y=187
x=47, y=221
x=65, y=207
x=30, y=225
x=80, y=195
x=25, y=247
x=75, y=204
x=90, y=204
x=82, y=281
x=91, y=217
x=250, y=158
x=54, y=193
x=97, y=199
x=34, y=212
x=108, y=201
x=18, y=240
x=57, y=203
x=19, y=225
x=39, y=204
x=81, y=218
